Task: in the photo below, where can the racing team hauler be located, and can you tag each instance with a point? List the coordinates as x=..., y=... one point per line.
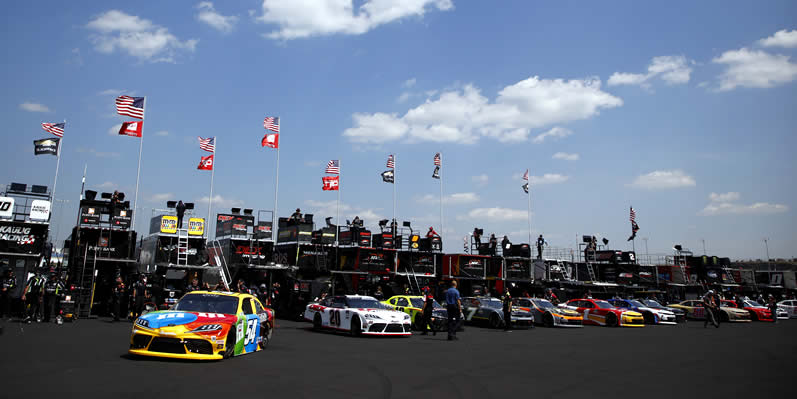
x=507, y=309
x=428, y=309
x=52, y=289
x=454, y=308
x=710, y=306
x=32, y=296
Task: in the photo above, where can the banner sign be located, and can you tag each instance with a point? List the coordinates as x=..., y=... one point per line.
x=6, y=207
x=22, y=238
x=168, y=224
x=121, y=218
x=40, y=210
x=227, y=224
x=89, y=215
x=45, y=146
x=196, y=226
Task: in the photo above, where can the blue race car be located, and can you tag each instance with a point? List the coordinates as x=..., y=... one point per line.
x=651, y=315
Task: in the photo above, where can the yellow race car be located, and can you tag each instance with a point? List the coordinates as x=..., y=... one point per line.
x=694, y=310
x=412, y=305
x=204, y=325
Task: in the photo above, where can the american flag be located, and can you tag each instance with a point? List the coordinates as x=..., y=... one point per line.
x=526, y=175
x=333, y=167
x=272, y=123
x=437, y=160
x=130, y=106
x=632, y=216
x=390, y=162
x=208, y=144
x=54, y=128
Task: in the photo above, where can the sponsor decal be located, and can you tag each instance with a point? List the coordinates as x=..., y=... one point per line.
x=196, y=226
x=89, y=215
x=169, y=224
x=40, y=210
x=207, y=328
x=6, y=207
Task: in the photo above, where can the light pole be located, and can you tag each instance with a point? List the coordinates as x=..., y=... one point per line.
x=766, y=244
x=704, y=245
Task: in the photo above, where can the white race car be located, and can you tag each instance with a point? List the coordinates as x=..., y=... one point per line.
x=789, y=306
x=357, y=315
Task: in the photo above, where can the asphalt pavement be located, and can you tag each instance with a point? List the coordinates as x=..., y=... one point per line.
x=89, y=358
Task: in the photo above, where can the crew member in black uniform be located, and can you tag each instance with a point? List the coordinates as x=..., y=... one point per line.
x=118, y=291
x=426, y=320
x=505, y=245
x=139, y=294
x=296, y=217
x=540, y=243
x=32, y=296
x=8, y=284
x=52, y=289
x=180, y=213
x=493, y=243
x=194, y=286
x=477, y=237
x=506, y=307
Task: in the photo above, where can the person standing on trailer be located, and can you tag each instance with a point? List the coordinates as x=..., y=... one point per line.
x=540, y=243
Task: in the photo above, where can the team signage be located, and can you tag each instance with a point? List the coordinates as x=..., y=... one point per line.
x=45, y=146
x=169, y=224
x=121, y=218
x=6, y=207
x=89, y=215
x=196, y=226
x=40, y=210
x=21, y=237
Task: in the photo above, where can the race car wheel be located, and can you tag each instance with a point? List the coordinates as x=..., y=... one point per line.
x=547, y=319
x=495, y=322
x=355, y=327
x=611, y=320
x=317, y=322
x=265, y=335
x=229, y=345
x=649, y=318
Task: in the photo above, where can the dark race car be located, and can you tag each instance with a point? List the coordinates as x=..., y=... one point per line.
x=487, y=310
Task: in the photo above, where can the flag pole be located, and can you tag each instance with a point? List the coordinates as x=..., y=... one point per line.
x=138, y=172
x=394, y=193
x=212, y=173
x=337, y=217
x=57, y=165
x=441, y=197
x=529, y=213
x=276, y=184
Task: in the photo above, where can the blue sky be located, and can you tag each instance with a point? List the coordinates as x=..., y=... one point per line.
x=685, y=111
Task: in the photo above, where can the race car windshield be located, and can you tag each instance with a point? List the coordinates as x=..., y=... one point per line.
x=491, y=303
x=419, y=302
x=362, y=303
x=636, y=303
x=753, y=304
x=544, y=304
x=653, y=304
x=207, y=303
x=604, y=304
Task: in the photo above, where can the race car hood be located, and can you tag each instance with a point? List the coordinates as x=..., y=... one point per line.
x=736, y=311
x=384, y=313
x=565, y=312
x=656, y=311
x=170, y=318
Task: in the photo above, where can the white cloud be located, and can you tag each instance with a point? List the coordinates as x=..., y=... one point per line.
x=480, y=180
x=34, y=107
x=409, y=83
x=566, y=157
x=107, y=185
x=114, y=130
x=465, y=115
x=555, y=133
x=110, y=92
x=548, y=178
x=451, y=199
x=305, y=18
x=781, y=38
x=208, y=15
x=672, y=69
x=161, y=133
x=754, y=69
x=161, y=197
x=221, y=202
x=403, y=97
x=663, y=179
x=725, y=197
x=495, y=214
x=137, y=37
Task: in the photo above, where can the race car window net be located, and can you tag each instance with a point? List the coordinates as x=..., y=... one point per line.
x=246, y=306
x=604, y=304
x=403, y=302
x=365, y=303
x=207, y=303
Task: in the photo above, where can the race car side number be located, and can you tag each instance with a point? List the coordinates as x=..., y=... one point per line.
x=250, y=331
x=334, y=317
x=471, y=312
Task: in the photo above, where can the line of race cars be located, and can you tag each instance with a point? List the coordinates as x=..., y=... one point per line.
x=211, y=325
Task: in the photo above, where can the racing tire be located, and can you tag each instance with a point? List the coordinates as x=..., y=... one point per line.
x=317, y=322
x=495, y=322
x=356, y=330
x=649, y=318
x=265, y=335
x=229, y=345
x=611, y=320
x=547, y=319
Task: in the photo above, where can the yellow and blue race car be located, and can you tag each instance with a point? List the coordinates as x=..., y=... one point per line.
x=204, y=325
x=413, y=306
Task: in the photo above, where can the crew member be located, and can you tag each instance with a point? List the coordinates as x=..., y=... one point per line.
x=118, y=291
x=431, y=233
x=6, y=286
x=180, y=213
x=540, y=243
x=773, y=307
x=296, y=217
x=551, y=297
x=427, y=312
x=139, y=293
x=52, y=289
x=506, y=307
x=710, y=307
x=32, y=296
x=477, y=237
x=394, y=228
x=242, y=287
x=454, y=308
x=194, y=286
x=493, y=243
x=505, y=245
x=379, y=295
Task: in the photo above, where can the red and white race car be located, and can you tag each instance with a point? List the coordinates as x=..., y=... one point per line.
x=357, y=315
x=598, y=312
